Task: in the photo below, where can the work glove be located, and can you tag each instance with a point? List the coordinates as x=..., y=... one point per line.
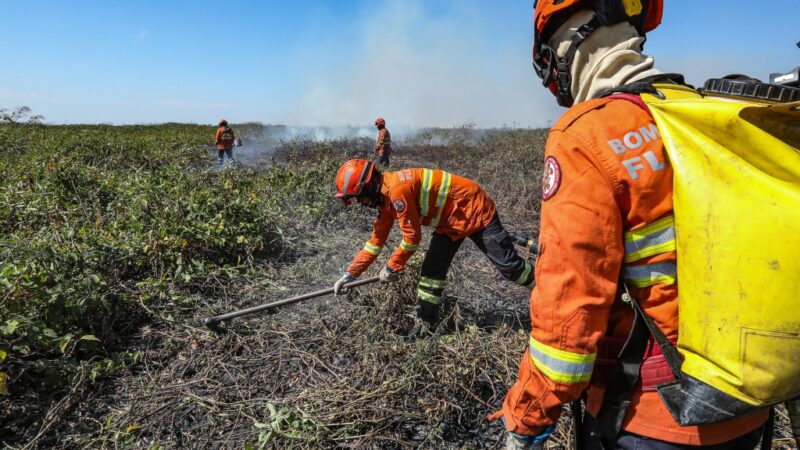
x=346, y=278
x=387, y=275
x=516, y=441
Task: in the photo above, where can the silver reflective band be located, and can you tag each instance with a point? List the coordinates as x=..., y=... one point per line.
x=431, y=283
x=425, y=191
x=405, y=246
x=372, y=249
x=428, y=297
x=444, y=189
x=657, y=237
x=650, y=274
x=560, y=365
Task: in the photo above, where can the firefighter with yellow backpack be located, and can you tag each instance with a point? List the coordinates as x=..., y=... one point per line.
x=650, y=185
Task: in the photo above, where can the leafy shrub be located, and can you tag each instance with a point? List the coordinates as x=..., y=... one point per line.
x=98, y=222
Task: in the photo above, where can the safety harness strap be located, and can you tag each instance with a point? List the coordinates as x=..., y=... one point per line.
x=644, y=86
x=617, y=397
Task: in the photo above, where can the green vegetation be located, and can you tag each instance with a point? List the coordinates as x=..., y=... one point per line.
x=117, y=241
x=100, y=224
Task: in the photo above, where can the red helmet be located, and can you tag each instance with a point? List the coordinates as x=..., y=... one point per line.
x=352, y=177
x=549, y=15
x=223, y=123
x=379, y=122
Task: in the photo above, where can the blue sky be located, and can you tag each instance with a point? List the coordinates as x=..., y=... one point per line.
x=418, y=63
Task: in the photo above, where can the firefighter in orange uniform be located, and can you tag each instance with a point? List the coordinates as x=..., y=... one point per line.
x=224, y=142
x=383, y=147
x=606, y=226
x=455, y=207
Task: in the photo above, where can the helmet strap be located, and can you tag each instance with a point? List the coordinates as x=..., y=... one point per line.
x=372, y=191
x=564, y=64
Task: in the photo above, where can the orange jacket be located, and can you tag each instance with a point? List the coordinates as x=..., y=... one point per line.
x=606, y=214
x=384, y=143
x=224, y=138
x=454, y=206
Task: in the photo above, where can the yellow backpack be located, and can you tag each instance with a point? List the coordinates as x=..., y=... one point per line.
x=736, y=164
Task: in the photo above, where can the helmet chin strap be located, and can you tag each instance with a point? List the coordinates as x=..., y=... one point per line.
x=373, y=194
x=564, y=64
x=375, y=200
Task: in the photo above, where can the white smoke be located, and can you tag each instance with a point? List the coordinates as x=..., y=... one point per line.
x=417, y=70
x=259, y=141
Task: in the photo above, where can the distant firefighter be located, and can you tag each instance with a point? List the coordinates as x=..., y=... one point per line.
x=384, y=145
x=224, y=140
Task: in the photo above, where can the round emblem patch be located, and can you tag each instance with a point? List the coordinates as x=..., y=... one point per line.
x=551, y=180
x=399, y=205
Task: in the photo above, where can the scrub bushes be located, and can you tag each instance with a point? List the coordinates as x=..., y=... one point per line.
x=100, y=224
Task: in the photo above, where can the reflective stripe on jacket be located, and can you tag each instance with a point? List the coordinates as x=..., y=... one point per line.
x=453, y=205
x=606, y=216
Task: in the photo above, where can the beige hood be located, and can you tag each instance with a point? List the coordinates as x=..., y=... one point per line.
x=610, y=57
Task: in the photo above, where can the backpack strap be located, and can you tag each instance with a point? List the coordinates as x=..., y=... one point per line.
x=645, y=85
x=632, y=91
x=617, y=397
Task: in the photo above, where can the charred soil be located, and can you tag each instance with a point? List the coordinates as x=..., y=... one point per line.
x=118, y=242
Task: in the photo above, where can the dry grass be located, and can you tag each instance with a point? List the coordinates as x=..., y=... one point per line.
x=331, y=372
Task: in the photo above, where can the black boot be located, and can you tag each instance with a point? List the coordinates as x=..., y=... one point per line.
x=428, y=314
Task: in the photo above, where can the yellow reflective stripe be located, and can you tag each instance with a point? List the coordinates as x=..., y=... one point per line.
x=372, y=249
x=560, y=365
x=405, y=246
x=525, y=273
x=425, y=191
x=444, y=189
x=431, y=283
x=650, y=274
x=657, y=237
x=428, y=297
x=658, y=225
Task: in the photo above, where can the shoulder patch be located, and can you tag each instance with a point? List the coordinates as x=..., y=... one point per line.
x=551, y=180
x=399, y=205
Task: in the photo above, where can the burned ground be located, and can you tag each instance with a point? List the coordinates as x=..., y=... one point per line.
x=326, y=373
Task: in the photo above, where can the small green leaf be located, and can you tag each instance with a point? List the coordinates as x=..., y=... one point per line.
x=10, y=326
x=88, y=337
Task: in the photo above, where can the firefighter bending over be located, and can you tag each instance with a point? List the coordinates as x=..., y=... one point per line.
x=453, y=206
